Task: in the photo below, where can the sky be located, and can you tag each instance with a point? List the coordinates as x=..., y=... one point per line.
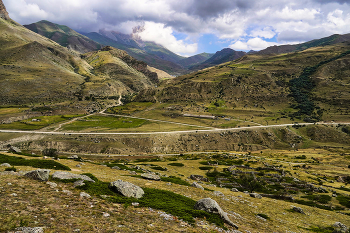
x=189, y=27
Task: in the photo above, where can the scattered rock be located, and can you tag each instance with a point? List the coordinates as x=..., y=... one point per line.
x=5, y=165
x=334, y=195
x=106, y=215
x=135, y=204
x=78, y=183
x=84, y=195
x=70, y=176
x=29, y=230
x=78, y=165
x=234, y=190
x=126, y=189
x=340, y=228
x=73, y=157
x=40, y=174
x=52, y=184
x=116, y=168
x=218, y=193
x=196, y=185
x=298, y=210
x=67, y=192
x=211, y=206
x=150, y=176
x=15, y=149
x=198, y=178
x=255, y=195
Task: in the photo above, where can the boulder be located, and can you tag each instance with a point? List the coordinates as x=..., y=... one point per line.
x=52, y=184
x=255, y=195
x=70, y=176
x=196, y=185
x=126, y=189
x=14, y=149
x=29, y=230
x=198, y=178
x=73, y=157
x=116, y=168
x=84, y=195
x=150, y=176
x=78, y=183
x=234, y=190
x=211, y=206
x=40, y=174
x=5, y=165
x=298, y=210
x=340, y=228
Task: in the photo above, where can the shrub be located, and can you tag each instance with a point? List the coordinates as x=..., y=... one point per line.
x=176, y=164
x=36, y=163
x=175, y=180
x=264, y=216
x=159, y=168
x=205, y=168
x=10, y=169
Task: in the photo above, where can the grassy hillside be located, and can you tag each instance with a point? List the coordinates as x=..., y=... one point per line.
x=195, y=60
x=262, y=87
x=64, y=36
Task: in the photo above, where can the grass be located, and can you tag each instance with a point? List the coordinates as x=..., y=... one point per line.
x=36, y=163
x=104, y=122
x=129, y=108
x=44, y=121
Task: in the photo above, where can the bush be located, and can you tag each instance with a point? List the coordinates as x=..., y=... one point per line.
x=8, y=169
x=36, y=163
x=264, y=216
x=158, y=168
x=175, y=180
x=176, y=164
x=205, y=168
x=50, y=152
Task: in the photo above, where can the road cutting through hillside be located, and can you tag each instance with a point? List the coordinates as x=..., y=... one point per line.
x=172, y=132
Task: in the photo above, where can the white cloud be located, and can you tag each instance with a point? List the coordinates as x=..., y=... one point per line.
x=298, y=14
x=266, y=32
x=255, y=44
x=163, y=35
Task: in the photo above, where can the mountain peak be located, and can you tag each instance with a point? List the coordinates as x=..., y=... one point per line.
x=3, y=12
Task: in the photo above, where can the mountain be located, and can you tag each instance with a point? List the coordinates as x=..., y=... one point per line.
x=330, y=40
x=36, y=70
x=64, y=36
x=219, y=57
x=195, y=60
x=135, y=51
x=3, y=12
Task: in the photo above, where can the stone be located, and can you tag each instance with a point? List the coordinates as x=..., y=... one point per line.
x=116, y=168
x=211, y=206
x=106, y=215
x=126, y=189
x=218, y=194
x=340, y=179
x=198, y=178
x=40, y=174
x=196, y=185
x=73, y=157
x=67, y=192
x=78, y=165
x=84, y=195
x=255, y=195
x=29, y=230
x=234, y=190
x=69, y=176
x=78, y=183
x=5, y=165
x=298, y=210
x=340, y=228
x=150, y=176
x=52, y=184
x=3, y=12
x=15, y=149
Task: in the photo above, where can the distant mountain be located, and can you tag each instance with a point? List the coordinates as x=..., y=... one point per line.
x=64, y=36
x=219, y=57
x=153, y=54
x=195, y=60
x=330, y=40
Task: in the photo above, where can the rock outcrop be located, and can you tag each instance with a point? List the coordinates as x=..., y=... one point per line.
x=196, y=185
x=40, y=174
x=150, y=176
x=70, y=176
x=3, y=12
x=211, y=206
x=126, y=189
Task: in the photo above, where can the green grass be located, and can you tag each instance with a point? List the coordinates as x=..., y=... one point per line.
x=35, y=125
x=169, y=202
x=109, y=122
x=129, y=108
x=323, y=199
x=36, y=163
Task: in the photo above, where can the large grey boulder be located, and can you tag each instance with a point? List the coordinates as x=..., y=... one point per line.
x=126, y=189
x=255, y=195
x=40, y=174
x=29, y=230
x=196, y=185
x=298, y=210
x=198, y=178
x=340, y=228
x=150, y=176
x=5, y=165
x=211, y=206
x=70, y=176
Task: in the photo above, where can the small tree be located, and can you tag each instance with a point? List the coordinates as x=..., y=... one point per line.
x=50, y=152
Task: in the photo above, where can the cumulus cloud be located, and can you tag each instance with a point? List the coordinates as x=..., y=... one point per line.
x=231, y=21
x=255, y=44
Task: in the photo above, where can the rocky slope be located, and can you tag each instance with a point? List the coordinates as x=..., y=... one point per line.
x=3, y=12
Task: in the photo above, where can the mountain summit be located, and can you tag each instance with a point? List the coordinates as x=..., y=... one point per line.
x=3, y=12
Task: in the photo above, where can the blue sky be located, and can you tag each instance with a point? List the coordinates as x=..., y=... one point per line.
x=189, y=27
